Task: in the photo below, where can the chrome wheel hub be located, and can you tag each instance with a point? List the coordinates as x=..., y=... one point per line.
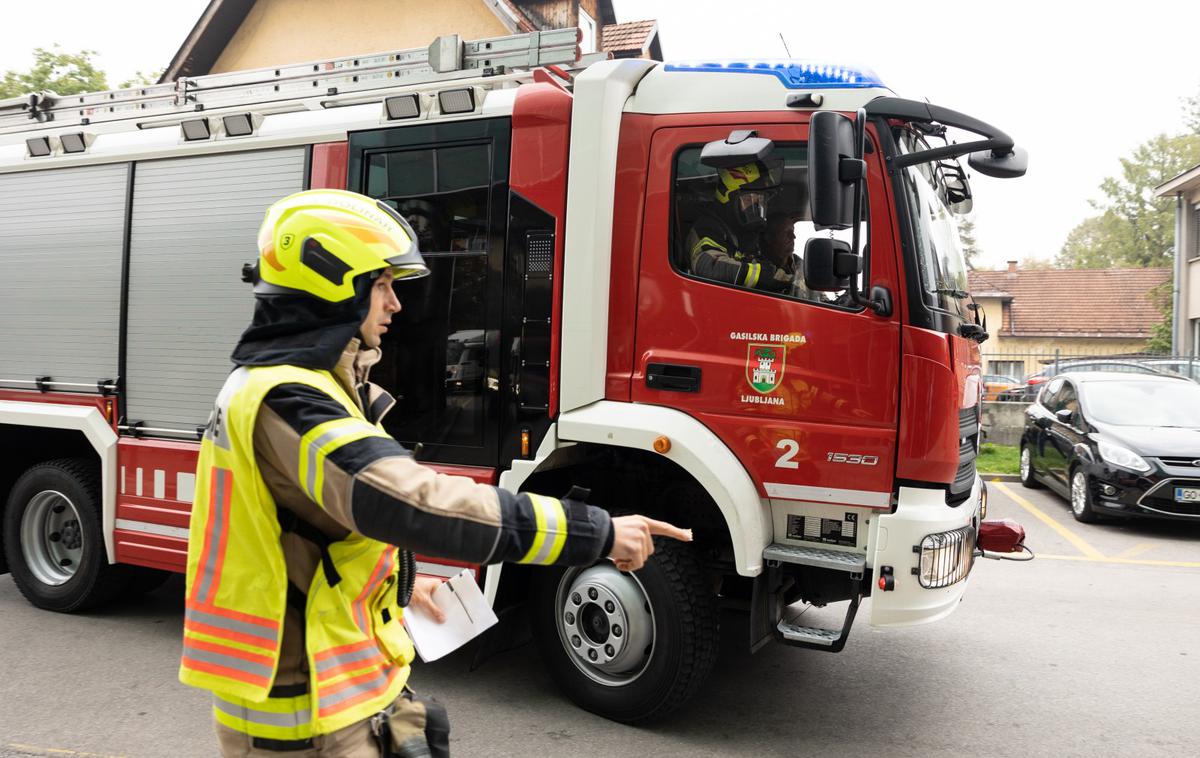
x=51, y=538
x=1025, y=463
x=605, y=623
x=1078, y=493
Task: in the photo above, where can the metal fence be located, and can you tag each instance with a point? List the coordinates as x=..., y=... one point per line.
x=1019, y=366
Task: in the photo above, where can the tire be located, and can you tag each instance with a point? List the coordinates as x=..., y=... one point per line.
x=1081, y=498
x=1026, y=469
x=54, y=541
x=677, y=623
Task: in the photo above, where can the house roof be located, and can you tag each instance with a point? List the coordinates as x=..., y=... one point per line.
x=1114, y=303
x=635, y=37
x=1189, y=179
x=222, y=18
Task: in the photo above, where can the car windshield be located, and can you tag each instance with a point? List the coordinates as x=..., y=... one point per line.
x=1148, y=403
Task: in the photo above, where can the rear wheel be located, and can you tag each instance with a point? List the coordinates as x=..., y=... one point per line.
x=54, y=541
x=1027, y=469
x=630, y=647
x=1081, y=498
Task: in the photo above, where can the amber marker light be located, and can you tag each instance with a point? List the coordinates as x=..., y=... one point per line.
x=662, y=444
x=524, y=443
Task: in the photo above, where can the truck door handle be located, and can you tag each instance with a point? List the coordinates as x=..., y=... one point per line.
x=673, y=377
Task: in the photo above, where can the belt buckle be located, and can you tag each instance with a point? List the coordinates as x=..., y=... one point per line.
x=378, y=722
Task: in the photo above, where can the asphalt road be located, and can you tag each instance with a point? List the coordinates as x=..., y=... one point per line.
x=1091, y=650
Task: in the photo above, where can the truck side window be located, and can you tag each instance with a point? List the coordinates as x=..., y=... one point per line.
x=748, y=238
x=437, y=360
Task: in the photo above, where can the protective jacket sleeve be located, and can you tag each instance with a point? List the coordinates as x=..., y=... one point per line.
x=361, y=478
x=712, y=255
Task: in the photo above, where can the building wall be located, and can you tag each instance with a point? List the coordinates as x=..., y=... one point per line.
x=557, y=14
x=1032, y=351
x=1188, y=339
x=276, y=32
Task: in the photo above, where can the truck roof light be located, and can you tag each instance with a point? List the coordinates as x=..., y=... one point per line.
x=456, y=100
x=195, y=129
x=793, y=74
x=238, y=125
x=402, y=106
x=73, y=142
x=38, y=147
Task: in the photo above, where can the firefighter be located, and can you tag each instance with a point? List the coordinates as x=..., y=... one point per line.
x=724, y=245
x=300, y=556
x=778, y=247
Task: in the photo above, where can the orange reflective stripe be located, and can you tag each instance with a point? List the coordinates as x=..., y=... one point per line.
x=329, y=653
x=230, y=625
x=212, y=557
x=350, y=692
x=226, y=671
x=341, y=664
x=382, y=569
x=192, y=645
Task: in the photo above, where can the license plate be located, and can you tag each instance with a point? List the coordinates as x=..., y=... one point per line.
x=1187, y=494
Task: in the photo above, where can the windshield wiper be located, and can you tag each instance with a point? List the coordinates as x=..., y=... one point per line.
x=954, y=293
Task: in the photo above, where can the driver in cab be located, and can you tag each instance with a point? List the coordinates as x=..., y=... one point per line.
x=728, y=244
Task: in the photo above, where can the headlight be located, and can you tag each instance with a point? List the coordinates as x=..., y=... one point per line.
x=946, y=557
x=1123, y=457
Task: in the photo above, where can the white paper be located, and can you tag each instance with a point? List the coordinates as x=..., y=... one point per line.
x=467, y=616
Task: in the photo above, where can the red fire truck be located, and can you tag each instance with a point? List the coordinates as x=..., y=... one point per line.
x=819, y=438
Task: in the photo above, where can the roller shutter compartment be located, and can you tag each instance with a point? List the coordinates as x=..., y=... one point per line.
x=195, y=222
x=60, y=273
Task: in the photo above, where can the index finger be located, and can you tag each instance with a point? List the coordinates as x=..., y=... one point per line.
x=663, y=529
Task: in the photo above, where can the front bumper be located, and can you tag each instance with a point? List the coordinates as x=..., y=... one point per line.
x=1142, y=496
x=897, y=538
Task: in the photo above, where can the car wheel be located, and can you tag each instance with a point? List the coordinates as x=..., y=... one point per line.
x=1081, y=498
x=631, y=647
x=53, y=538
x=1027, y=476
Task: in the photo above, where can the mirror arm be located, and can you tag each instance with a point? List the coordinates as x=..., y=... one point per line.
x=880, y=300
x=999, y=148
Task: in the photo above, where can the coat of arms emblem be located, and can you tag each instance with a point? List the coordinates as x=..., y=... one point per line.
x=765, y=366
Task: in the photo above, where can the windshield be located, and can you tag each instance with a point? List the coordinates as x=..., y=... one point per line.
x=936, y=242
x=1136, y=403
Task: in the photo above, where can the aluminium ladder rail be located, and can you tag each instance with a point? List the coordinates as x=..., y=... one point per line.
x=446, y=59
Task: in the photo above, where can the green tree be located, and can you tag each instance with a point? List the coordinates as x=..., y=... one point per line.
x=1191, y=113
x=140, y=79
x=55, y=70
x=1160, y=341
x=970, y=246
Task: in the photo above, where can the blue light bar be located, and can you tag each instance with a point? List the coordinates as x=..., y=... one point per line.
x=793, y=74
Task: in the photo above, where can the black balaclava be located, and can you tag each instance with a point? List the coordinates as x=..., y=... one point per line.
x=301, y=330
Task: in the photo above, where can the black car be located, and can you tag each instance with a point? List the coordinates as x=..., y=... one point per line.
x=1116, y=444
x=1034, y=382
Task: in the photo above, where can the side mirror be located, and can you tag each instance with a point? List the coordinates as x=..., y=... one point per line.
x=835, y=165
x=830, y=265
x=1008, y=166
x=1064, y=415
x=1042, y=422
x=738, y=149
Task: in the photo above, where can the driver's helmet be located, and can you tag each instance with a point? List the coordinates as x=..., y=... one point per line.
x=746, y=189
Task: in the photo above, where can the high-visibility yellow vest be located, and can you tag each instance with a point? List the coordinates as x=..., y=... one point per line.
x=358, y=651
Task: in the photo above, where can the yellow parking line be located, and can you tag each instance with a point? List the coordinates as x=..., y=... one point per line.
x=1066, y=533
x=1124, y=561
x=1136, y=550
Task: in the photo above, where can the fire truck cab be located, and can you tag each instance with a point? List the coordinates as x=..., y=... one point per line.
x=818, y=434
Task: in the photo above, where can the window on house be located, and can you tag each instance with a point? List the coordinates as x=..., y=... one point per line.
x=1014, y=369
x=587, y=25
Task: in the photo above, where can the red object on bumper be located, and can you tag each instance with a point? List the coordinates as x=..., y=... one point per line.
x=1001, y=536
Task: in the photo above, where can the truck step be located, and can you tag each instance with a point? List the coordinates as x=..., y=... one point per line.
x=808, y=634
x=838, y=560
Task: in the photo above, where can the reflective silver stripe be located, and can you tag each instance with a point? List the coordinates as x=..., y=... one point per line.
x=359, y=655
x=228, y=661
x=553, y=527
x=297, y=720
x=374, y=683
x=232, y=625
x=828, y=495
x=146, y=527
x=325, y=438
x=216, y=531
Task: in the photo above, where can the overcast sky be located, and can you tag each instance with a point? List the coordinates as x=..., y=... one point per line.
x=1078, y=84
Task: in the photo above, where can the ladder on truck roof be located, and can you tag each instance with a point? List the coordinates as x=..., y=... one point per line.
x=447, y=58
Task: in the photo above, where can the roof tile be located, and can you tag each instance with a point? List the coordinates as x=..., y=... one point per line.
x=1075, y=302
x=632, y=35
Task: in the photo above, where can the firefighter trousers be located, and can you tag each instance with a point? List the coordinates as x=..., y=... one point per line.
x=411, y=727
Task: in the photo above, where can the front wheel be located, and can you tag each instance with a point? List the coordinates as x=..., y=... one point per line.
x=629, y=647
x=1081, y=498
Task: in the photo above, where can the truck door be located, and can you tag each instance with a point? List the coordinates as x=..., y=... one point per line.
x=802, y=386
x=442, y=356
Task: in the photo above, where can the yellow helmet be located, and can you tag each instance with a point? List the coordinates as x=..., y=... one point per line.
x=733, y=179
x=317, y=242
